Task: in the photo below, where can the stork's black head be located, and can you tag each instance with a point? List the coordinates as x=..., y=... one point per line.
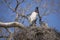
x=37, y=10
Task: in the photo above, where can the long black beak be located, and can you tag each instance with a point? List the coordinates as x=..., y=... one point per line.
x=37, y=10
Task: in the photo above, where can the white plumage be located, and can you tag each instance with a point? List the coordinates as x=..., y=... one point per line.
x=33, y=16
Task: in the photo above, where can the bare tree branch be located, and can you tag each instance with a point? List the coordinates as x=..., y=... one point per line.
x=3, y=36
x=10, y=36
x=18, y=3
x=12, y=24
x=13, y=9
x=46, y=11
x=17, y=14
x=8, y=4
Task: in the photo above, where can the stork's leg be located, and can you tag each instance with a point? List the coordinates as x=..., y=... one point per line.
x=33, y=23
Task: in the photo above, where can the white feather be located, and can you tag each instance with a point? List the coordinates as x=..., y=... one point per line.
x=33, y=16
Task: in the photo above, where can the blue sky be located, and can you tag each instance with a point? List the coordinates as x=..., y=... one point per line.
x=53, y=19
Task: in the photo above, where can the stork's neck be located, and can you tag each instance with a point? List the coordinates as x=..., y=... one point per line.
x=36, y=10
